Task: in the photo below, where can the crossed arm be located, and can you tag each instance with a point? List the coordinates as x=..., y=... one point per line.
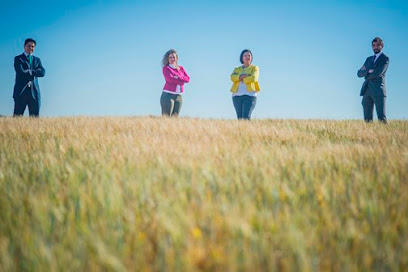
x=379, y=71
x=253, y=77
x=179, y=80
x=20, y=71
x=184, y=77
x=39, y=71
x=28, y=74
x=363, y=70
x=235, y=77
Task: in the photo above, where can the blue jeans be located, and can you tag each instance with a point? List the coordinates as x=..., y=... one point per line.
x=244, y=105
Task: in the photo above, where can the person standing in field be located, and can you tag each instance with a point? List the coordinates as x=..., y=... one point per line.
x=175, y=77
x=373, y=90
x=26, y=89
x=245, y=86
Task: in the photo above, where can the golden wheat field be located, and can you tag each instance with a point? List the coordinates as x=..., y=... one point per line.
x=163, y=194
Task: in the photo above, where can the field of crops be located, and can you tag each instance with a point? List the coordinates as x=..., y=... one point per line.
x=163, y=194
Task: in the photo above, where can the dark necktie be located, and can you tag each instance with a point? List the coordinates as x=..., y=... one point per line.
x=374, y=59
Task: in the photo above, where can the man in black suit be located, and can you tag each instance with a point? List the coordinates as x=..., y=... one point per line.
x=26, y=89
x=373, y=90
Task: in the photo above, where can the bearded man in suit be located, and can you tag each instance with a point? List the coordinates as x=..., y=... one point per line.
x=373, y=90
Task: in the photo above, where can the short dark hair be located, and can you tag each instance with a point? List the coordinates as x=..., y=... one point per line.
x=378, y=39
x=242, y=55
x=29, y=40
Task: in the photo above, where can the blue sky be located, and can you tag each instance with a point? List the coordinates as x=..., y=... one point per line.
x=103, y=58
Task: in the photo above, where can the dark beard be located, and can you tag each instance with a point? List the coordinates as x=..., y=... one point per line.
x=377, y=51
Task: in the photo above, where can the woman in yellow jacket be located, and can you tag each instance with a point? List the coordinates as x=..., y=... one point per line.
x=245, y=86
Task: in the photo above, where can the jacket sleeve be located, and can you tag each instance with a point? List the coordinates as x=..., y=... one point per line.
x=253, y=77
x=363, y=73
x=39, y=71
x=235, y=76
x=18, y=66
x=379, y=71
x=185, y=78
x=170, y=78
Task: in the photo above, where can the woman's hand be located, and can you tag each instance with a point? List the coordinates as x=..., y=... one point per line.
x=241, y=77
x=176, y=77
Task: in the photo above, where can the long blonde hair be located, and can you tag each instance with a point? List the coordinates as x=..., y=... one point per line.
x=165, y=60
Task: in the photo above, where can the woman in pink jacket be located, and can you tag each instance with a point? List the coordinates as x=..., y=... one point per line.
x=175, y=77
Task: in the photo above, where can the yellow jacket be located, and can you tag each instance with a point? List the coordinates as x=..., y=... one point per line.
x=251, y=81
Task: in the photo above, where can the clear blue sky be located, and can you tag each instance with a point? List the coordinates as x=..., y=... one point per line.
x=104, y=57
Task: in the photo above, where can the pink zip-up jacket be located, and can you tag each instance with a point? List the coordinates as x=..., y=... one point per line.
x=171, y=82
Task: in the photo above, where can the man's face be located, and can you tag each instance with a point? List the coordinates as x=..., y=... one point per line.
x=29, y=47
x=377, y=48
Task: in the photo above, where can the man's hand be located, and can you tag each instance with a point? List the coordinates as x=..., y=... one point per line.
x=370, y=71
x=29, y=71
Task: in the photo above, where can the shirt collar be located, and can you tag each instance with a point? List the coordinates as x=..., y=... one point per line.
x=378, y=54
x=26, y=54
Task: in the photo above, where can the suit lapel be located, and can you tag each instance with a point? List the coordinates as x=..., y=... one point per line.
x=380, y=59
x=33, y=60
x=25, y=59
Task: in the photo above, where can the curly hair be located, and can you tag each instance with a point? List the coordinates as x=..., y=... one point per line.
x=165, y=60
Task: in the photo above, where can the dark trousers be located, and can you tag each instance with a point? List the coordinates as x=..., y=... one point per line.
x=24, y=100
x=170, y=104
x=368, y=103
x=244, y=105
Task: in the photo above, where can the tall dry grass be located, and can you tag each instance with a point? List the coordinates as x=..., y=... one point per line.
x=160, y=194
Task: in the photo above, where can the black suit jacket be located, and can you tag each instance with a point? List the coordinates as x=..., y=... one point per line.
x=374, y=82
x=21, y=65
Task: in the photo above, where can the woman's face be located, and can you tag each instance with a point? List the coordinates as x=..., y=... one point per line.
x=172, y=58
x=247, y=58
